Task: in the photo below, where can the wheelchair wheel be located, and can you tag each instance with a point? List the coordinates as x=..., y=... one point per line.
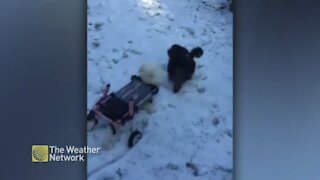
x=155, y=91
x=135, y=77
x=134, y=138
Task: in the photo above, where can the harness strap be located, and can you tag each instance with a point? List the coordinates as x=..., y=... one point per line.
x=131, y=108
x=130, y=113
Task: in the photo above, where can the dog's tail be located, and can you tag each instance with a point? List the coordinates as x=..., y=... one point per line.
x=196, y=52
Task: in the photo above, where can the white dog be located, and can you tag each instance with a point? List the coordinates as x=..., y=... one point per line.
x=152, y=73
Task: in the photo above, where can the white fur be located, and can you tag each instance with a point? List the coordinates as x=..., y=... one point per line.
x=149, y=108
x=110, y=138
x=152, y=73
x=90, y=125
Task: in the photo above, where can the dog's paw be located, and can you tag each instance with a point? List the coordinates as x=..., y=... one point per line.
x=106, y=146
x=149, y=108
x=90, y=125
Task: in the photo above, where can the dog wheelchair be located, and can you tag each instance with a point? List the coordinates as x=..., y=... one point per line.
x=118, y=108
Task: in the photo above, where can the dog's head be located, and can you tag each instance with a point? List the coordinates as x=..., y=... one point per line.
x=177, y=51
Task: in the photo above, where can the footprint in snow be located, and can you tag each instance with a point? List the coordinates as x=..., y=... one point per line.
x=201, y=89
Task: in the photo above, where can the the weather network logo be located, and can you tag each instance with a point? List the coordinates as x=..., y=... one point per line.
x=40, y=153
x=49, y=153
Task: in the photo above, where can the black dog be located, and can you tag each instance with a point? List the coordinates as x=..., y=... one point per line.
x=181, y=65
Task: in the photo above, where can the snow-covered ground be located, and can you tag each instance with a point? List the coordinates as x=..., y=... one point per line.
x=190, y=134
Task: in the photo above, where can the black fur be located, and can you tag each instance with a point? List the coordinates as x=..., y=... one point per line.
x=181, y=65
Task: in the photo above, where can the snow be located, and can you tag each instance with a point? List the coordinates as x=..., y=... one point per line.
x=190, y=134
